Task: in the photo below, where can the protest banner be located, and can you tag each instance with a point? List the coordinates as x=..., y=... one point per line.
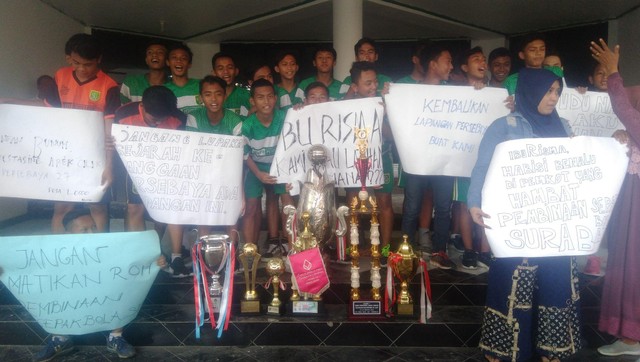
x=51, y=153
x=552, y=196
x=184, y=177
x=437, y=129
x=80, y=283
x=588, y=114
x=332, y=125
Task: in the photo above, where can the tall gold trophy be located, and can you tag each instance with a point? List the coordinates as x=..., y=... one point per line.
x=250, y=258
x=405, y=265
x=360, y=306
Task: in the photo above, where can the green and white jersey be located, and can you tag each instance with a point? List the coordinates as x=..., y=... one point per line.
x=188, y=96
x=382, y=79
x=407, y=80
x=286, y=99
x=230, y=124
x=238, y=101
x=259, y=141
x=132, y=88
x=334, y=88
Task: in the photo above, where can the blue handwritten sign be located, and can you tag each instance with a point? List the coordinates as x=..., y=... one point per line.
x=80, y=283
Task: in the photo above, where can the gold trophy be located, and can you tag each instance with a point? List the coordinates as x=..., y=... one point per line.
x=250, y=304
x=361, y=307
x=275, y=268
x=405, y=266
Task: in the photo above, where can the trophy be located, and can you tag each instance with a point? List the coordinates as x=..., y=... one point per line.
x=212, y=254
x=405, y=265
x=275, y=268
x=250, y=304
x=361, y=307
x=215, y=252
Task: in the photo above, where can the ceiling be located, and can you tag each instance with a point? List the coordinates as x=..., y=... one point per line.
x=214, y=21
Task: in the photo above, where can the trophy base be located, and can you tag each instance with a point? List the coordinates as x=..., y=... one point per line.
x=366, y=309
x=305, y=308
x=250, y=306
x=405, y=310
x=275, y=310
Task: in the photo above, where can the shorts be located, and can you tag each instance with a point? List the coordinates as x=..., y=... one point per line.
x=253, y=187
x=461, y=188
x=133, y=197
x=387, y=172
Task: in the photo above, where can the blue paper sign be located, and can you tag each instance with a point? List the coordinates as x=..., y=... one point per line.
x=80, y=283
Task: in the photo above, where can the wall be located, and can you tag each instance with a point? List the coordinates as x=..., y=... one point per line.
x=32, y=36
x=628, y=28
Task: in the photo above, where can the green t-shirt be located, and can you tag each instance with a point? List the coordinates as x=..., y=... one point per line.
x=188, y=96
x=132, y=88
x=334, y=88
x=286, y=99
x=238, y=101
x=407, y=80
x=231, y=123
x=259, y=141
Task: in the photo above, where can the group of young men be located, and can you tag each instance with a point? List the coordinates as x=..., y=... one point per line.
x=166, y=97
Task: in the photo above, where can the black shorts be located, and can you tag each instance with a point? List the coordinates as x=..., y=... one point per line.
x=133, y=197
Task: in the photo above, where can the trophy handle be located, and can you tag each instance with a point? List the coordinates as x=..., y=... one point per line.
x=290, y=211
x=342, y=213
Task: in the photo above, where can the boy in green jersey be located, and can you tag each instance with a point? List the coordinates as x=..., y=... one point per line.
x=237, y=97
x=366, y=51
x=324, y=62
x=214, y=118
x=185, y=88
x=286, y=89
x=261, y=132
x=135, y=84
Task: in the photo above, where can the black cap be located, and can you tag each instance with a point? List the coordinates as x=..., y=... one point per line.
x=160, y=102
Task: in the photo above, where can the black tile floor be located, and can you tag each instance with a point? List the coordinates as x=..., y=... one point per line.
x=164, y=328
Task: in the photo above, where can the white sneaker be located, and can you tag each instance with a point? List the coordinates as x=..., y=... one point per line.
x=619, y=348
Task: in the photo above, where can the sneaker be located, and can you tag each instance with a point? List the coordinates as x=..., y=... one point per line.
x=179, y=270
x=619, y=348
x=485, y=259
x=383, y=261
x=424, y=239
x=120, y=346
x=593, y=266
x=54, y=348
x=470, y=259
x=276, y=247
x=456, y=240
x=441, y=260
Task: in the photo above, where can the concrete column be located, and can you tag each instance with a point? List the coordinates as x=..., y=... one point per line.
x=201, y=63
x=347, y=30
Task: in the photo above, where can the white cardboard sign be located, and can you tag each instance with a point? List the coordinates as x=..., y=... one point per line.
x=589, y=114
x=437, y=129
x=552, y=196
x=51, y=153
x=332, y=125
x=184, y=177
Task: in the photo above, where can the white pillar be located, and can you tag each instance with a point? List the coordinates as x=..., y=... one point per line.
x=347, y=30
x=201, y=63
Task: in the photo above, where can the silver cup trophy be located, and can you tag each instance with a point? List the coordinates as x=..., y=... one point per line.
x=215, y=252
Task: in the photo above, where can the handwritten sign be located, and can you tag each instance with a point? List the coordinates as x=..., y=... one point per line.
x=332, y=125
x=51, y=153
x=437, y=129
x=552, y=196
x=589, y=114
x=184, y=177
x=80, y=283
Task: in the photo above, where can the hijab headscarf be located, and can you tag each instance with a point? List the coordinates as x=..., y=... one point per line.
x=532, y=86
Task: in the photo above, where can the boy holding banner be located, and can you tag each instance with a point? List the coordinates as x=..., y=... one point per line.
x=261, y=132
x=437, y=64
x=214, y=118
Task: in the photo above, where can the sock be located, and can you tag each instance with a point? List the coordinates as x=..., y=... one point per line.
x=174, y=256
x=424, y=235
x=60, y=338
x=114, y=334
x=453, y=236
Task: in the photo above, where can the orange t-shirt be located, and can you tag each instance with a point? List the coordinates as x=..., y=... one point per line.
x=92, y=95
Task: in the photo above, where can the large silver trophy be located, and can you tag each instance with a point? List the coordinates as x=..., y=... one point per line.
x=215, y=253
x=315, y=218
